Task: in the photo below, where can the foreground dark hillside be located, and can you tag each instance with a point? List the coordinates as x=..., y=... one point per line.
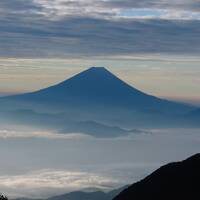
x=180, y=180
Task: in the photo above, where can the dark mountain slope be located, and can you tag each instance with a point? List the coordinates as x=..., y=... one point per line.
x=180, y=180
x=191, y=119
x=194, y=114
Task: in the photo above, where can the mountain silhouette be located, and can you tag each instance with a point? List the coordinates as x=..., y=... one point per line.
x=179, y=180
x=97, y=87
x=85, y=195
x=95, y=195
x=98, y=195
x=62, y=123
x=194, y=114
x=98, y=95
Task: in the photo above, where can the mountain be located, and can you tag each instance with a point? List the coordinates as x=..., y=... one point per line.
x=62, y=123
x=191, y=119
x=98, y=95
x=96, y=129
x=194, y=114
x=179, y=180
x=98, y=195
x=95, y=195
x=83, y=195
x=99, y=88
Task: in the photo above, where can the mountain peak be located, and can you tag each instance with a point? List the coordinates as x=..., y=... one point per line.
x=96, y=76
x=97, y=70
x=97, y=87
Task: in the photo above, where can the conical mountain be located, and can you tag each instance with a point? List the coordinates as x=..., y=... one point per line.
x=97, y=87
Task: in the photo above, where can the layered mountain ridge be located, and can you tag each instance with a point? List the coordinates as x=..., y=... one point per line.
x=99, y=97
x=97, y=87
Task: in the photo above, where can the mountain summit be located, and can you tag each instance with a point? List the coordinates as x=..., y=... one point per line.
x=97, y=87
x=98, y=95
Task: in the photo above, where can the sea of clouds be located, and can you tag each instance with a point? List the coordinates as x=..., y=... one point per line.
x=40, y=164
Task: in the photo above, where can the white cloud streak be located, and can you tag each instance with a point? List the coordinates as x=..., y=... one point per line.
x=6, y=134
x=114, y=8
x=47, y=182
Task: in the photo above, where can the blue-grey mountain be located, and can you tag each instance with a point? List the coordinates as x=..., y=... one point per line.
x=94, y=99
x=98, y=88
x=85, y=195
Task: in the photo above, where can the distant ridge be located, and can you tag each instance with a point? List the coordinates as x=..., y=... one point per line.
x=179, y=180
x=84, y=195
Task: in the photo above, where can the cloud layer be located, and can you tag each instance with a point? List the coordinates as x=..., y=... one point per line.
x=6, y=134
x=75, y=28
x=46, y=182
x=38, y=167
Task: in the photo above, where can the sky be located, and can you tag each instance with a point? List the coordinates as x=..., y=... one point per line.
x=153, y=45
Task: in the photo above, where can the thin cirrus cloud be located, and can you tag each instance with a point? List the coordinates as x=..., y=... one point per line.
x=85, y=28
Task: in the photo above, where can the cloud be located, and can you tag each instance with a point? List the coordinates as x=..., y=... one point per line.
x=48, y=182
x=88, y=28
x=6, y=134
x=18, y=6
x=176, y=4
x=83, y=37
x=92, y=8
x=113, y=8
x=140, y=156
